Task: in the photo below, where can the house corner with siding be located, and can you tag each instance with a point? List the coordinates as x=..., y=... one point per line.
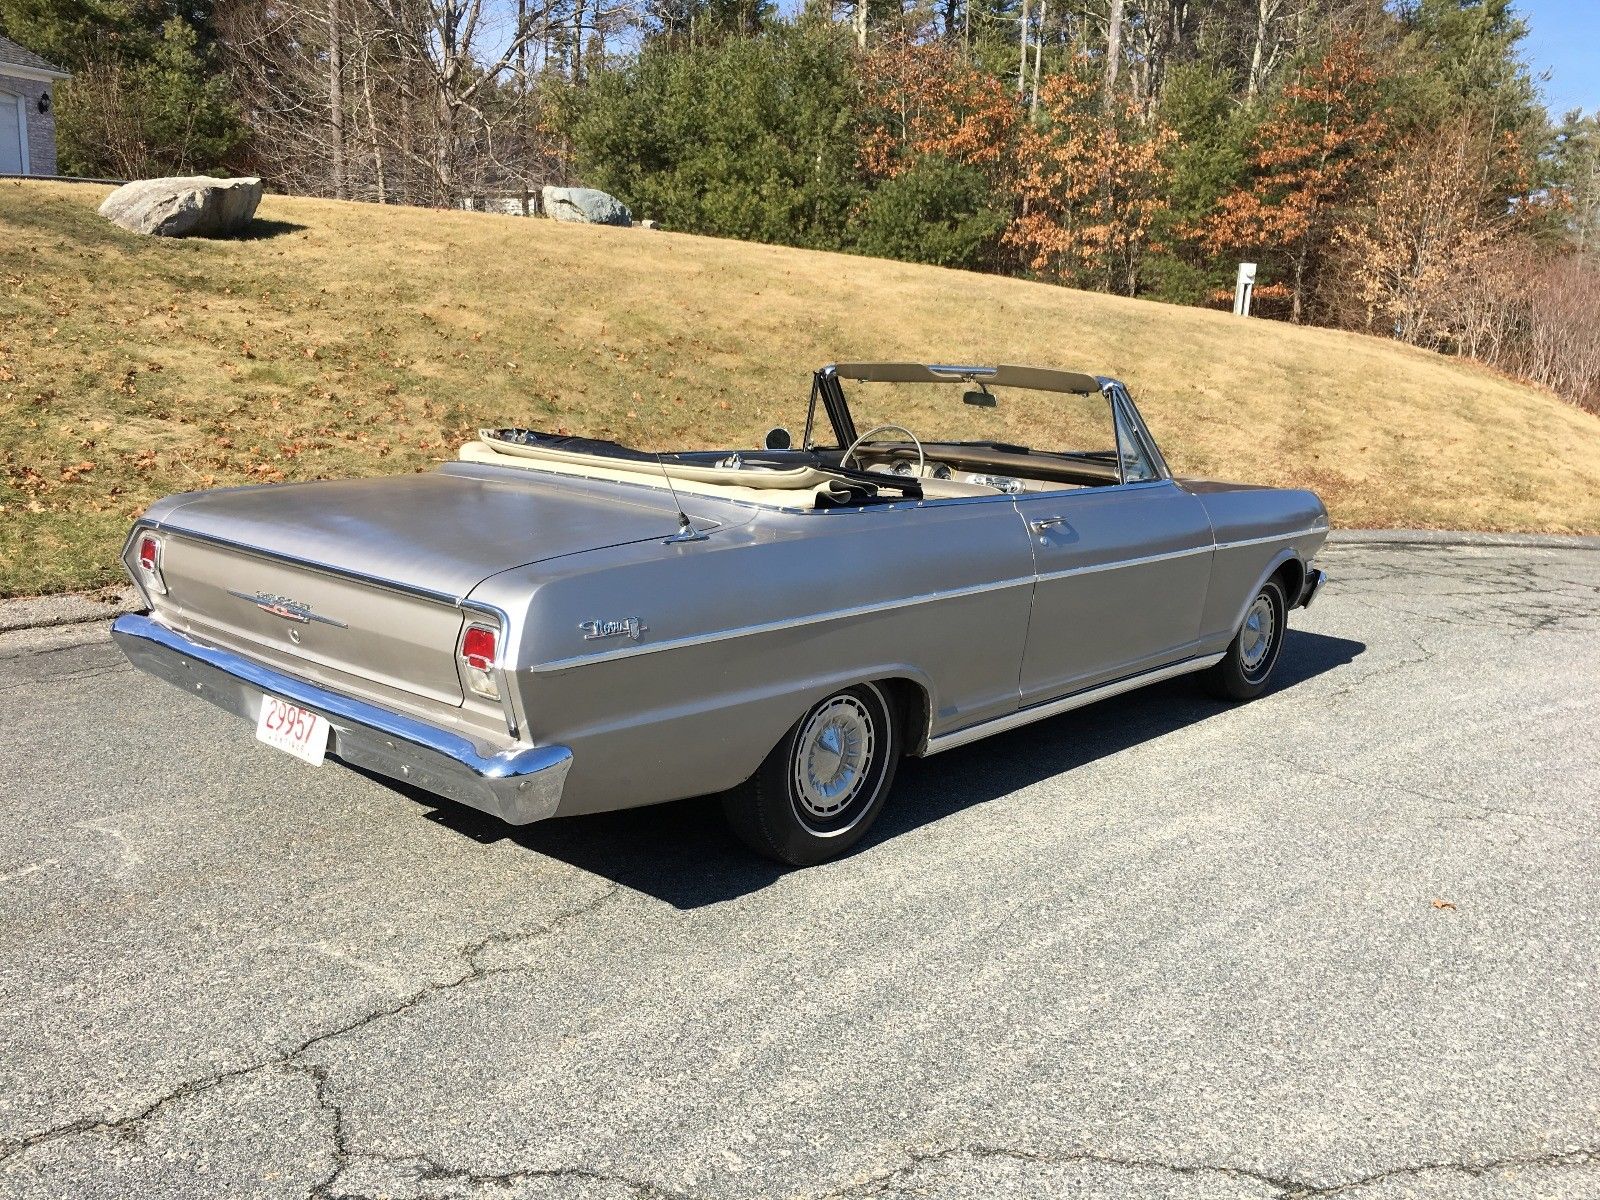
x=27, y=111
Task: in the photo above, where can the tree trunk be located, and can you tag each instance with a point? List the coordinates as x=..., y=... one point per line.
x=407, y=145
x=1022, y=42
x=1038, y=56
x=861, y=24
x=445, y=154
x=1113, y=48
x=522, y=95
x=1264, y=12
x=522, y=50
x=374, y=146
x=336, y=99
x=577, y=42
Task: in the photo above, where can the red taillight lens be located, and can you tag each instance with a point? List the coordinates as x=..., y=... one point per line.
x=147, y=565
x=478, y=647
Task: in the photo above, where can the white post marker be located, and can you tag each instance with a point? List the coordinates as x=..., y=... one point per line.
x=1243, y=287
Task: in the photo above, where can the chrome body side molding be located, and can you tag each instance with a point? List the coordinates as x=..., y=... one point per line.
x=1039, y=712
x=722, y=635
x=838, y=614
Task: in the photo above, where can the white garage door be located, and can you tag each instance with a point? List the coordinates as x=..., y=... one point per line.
x=10, y=135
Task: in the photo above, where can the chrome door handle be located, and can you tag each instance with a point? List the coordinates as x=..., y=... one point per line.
x=1047, y=523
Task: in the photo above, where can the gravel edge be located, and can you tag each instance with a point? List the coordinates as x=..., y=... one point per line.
x=1451, y=537
x=67, y=608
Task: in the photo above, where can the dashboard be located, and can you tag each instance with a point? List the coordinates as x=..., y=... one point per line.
x=906, y=468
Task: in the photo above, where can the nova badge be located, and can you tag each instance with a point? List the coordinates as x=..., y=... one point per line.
x=628, y=627
x=283, y=606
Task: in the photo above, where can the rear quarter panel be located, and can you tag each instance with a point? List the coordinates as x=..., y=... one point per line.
x=1257, y=530
x=747, y=629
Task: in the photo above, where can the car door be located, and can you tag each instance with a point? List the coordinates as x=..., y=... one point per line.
x=1121, y=574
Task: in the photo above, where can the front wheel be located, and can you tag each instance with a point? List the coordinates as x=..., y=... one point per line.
x=823, y=785
x=1246, y=665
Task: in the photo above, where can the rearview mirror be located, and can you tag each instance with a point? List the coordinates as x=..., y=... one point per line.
x=779, y=438
x=979, y=399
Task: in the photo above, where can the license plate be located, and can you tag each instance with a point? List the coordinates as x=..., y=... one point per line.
x=303, y=734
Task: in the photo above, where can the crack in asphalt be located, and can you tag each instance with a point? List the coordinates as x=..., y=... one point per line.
x=319, y=1076
x=38, y=666
x=1357, y=685
x=1474, y=811
x=1526, y=596
x=1284, y=1187
x=128, y=1126
x=429, y=1170
x=68, y=677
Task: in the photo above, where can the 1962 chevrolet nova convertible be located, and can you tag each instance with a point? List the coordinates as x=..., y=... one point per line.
x=556, y=625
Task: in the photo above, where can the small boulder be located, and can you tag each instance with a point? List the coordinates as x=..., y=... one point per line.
x=647, y=223
x=588, y=205
x=193, y=206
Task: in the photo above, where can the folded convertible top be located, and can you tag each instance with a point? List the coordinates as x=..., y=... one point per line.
x=800, y=487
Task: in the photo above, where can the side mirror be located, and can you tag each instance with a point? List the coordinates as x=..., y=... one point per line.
x=979, y=399
x=779, y=438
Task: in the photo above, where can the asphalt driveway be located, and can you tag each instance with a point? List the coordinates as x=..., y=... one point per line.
x=1343, y=940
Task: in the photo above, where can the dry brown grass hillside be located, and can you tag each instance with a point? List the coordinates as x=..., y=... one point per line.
x=347, y=338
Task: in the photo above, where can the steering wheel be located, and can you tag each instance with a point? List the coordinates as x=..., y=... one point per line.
x=922, y=459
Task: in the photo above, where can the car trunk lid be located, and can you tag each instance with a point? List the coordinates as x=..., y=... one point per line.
x=359, y=583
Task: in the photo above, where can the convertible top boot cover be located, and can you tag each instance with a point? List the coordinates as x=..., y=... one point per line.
x=799, y=487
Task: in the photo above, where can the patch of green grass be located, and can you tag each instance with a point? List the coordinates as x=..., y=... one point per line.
x=352, y=340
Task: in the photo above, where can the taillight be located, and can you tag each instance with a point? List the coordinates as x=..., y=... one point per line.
x=147, y=557
x=480, y=648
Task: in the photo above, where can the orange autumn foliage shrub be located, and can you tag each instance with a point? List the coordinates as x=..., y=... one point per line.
x=1089, y=187
x=1321, y=139
x=929, y=100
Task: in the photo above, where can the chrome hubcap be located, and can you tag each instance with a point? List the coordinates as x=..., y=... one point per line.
x=1260, y=626
x=832, y=756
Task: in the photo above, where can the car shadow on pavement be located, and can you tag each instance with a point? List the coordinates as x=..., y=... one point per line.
x=683, y=854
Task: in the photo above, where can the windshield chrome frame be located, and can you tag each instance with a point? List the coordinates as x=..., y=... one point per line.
x=1113, y=391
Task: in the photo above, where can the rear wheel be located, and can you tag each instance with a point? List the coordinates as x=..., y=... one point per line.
x=1247, y=664
x=823, y=785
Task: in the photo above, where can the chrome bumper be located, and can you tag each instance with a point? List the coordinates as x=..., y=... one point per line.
x=1312, y=586
x=518, y=786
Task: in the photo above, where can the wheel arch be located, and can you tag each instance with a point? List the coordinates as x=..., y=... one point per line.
x=1285, y=560
x=1292, y=574
x=913, y=708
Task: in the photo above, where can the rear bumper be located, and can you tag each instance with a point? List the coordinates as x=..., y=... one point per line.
x=1312, y=586
x=518, y=786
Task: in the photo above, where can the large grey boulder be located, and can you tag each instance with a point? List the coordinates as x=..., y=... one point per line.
x=589, y=205
x=195, y=206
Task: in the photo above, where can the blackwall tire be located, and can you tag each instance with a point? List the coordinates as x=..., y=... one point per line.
x=824, y=783
x=1247, y=665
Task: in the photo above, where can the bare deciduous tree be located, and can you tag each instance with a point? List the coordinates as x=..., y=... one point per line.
x=429, y=101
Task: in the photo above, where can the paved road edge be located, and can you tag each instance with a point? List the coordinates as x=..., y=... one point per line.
x=1451, y=537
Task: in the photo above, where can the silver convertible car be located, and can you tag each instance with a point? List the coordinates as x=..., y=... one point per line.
x=556, y=625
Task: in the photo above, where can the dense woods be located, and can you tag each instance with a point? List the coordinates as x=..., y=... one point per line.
x=1387, y=163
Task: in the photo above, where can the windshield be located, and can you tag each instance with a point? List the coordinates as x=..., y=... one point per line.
x=961, y=412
